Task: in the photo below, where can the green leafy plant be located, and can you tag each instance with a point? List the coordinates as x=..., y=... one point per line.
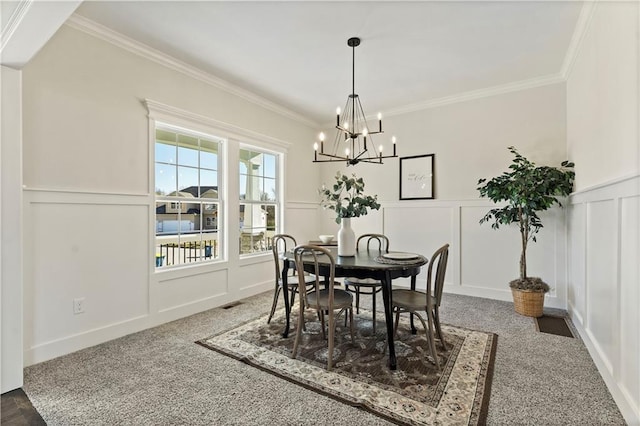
x=346, y=197
x=527, y=189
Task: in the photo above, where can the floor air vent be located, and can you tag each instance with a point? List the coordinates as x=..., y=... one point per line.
x=231, y=305
x=553, y=325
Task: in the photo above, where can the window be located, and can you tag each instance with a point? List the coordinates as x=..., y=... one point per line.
x=187, y=198
x=259, y=200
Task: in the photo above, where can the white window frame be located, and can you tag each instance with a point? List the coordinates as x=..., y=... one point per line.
x=197, y=253
x=227, y=182
x=279, y=203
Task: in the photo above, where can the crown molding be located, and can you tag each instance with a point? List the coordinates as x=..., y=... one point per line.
x=163, y=112
x=475, y=94
x=584, y=21
x=94, y=29
x=14, y=22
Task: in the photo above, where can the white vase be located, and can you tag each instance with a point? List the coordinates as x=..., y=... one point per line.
x=346, y=238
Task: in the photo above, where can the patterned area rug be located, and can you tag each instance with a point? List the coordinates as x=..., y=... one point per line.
x=414, y=394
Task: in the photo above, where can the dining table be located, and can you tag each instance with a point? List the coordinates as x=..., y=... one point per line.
x=375, y=264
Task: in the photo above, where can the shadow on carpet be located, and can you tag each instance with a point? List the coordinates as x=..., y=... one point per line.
x=414, y=394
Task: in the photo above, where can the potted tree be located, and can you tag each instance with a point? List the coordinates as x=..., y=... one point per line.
x=527, y=189
x=346, y=197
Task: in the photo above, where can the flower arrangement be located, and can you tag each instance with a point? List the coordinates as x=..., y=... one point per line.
x=346, y=197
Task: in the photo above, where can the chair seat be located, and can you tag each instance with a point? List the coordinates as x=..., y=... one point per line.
x=341, y=299
x=362, y=282
x=410, y=300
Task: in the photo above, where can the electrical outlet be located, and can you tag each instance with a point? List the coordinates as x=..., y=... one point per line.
x=78, y=305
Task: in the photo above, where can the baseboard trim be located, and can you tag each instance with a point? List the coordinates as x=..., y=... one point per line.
x=56, y=348
x=630, y=412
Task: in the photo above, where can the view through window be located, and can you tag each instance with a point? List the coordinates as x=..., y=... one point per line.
x=187, y=197
x=259, y=200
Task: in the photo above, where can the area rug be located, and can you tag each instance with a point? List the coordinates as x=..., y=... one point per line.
x=416, y=393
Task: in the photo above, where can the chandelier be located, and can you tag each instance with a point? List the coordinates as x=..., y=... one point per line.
x=354, y=139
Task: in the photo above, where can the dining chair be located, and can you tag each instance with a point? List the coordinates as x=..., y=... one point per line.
x=413, y=301
x=368, y=286
x=325, y=301
x=280, y=244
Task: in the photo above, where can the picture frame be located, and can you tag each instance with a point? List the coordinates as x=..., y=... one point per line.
x=417, y=177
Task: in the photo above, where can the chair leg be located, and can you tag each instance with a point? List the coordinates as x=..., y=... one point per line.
x=433, y=339
x=324, y=336
x=332, y=325
x=353, y=339
x=436, y=317
x=430, y=337
x=357, y=300
x=395, y=325
x=293, y=297
x=373, y=314
x=298, y=331
x=274, y=304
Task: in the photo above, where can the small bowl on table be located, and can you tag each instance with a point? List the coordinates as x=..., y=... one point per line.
x=326, y=239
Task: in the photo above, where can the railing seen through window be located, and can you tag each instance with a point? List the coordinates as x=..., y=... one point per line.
x=187, y=197
x=259, y=200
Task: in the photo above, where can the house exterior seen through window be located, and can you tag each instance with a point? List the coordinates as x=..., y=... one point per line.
x=259, y=200
x=187, y=198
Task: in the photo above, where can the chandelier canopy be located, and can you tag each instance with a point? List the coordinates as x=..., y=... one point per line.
x=354, y=139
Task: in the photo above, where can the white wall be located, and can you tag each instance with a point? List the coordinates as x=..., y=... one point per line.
x=88, y=205
x=603, y=118
x=11, y=230
x=470, y=141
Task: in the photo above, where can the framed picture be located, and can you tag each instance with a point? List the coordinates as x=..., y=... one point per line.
x=416, y=177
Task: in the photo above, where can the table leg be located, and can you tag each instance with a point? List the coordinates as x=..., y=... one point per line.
x=285, y=294
x=413, y=288
x=388, y=315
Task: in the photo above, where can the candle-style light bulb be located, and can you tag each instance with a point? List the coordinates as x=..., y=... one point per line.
x=321, y=137
x=321, y=142
x=380, y=149
x=338, y=110
x=393, y=140
x=365, y=132
x=346, y=152
x=315, y=151
x=346, y=125
x=338, y=117
x=380, y=122
x=315, y=146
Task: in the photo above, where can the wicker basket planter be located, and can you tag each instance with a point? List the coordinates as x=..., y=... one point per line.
x=528, y=303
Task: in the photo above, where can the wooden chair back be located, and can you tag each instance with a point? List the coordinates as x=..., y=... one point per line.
x=310, y=253
x=372, y=239
x=281, y=244
x=435, y=286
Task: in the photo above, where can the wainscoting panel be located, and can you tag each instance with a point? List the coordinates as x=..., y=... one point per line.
x=602, y=299
x=482, y=260
x=629, y=291
x=576, y=293
x=490, y=258
x=98, y=247
x=421, y=230
x=254, y=275
x=182, y=291
x=83, y=251
x=603, y=287
x=302, y=221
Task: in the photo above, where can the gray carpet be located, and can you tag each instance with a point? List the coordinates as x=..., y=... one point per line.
x=161, y=377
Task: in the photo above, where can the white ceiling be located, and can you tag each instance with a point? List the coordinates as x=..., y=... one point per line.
x=296, y=53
